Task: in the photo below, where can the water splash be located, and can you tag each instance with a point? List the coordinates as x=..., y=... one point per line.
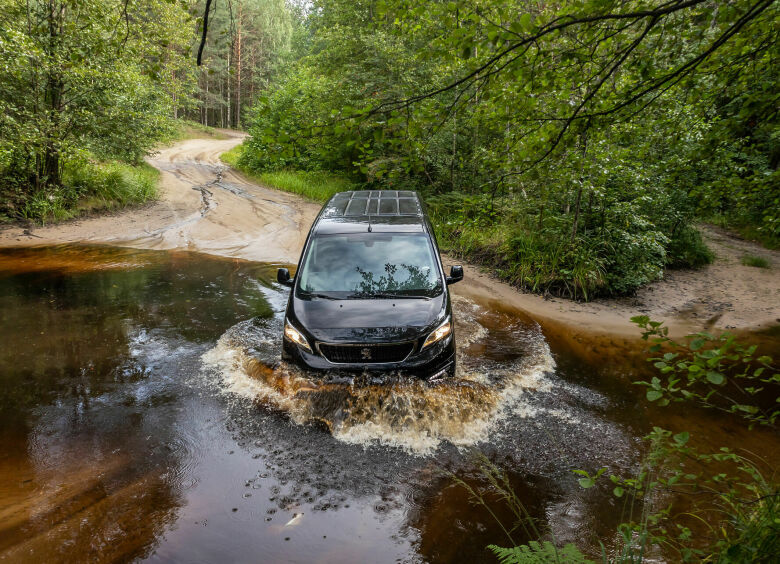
x=501, y=364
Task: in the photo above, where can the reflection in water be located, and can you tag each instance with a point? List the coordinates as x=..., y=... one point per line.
x=94, y=341
x=144, y=414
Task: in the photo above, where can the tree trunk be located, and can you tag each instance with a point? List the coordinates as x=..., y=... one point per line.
x=579, y=192
x=238, y=68
x=50, y=163
x=576, y=213
x=204, y=107
x=229, y=95
x=454, y=147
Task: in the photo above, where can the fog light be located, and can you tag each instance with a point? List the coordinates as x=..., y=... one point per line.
x=438, y=376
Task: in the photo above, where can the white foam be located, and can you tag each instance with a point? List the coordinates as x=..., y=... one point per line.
x=409, y=415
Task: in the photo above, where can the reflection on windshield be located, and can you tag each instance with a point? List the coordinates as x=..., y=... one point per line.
x=370, y=264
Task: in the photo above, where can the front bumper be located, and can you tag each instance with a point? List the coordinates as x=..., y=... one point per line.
x=436, y=361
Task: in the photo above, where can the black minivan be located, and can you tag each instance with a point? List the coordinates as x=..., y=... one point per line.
x=370, y=292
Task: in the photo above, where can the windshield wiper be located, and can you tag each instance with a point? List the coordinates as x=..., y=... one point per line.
x=323, y=296
x=388, y=295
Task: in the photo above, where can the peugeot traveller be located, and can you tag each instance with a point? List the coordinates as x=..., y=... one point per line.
x=370, y=293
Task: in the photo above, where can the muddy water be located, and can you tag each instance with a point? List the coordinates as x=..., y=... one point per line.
x=144, y=414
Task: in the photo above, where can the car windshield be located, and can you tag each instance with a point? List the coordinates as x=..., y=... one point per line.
x=364, y=265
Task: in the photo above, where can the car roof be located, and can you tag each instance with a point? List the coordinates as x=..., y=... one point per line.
x=383, y=210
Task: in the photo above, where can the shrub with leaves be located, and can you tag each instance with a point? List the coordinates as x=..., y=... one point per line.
x=717, y=372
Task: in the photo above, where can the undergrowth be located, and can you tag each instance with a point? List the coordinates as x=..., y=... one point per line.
x=88, y=187
x=317, y=186
x=758, y=262
x=538, y=251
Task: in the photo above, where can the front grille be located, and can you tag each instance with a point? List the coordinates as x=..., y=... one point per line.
x=366, y=354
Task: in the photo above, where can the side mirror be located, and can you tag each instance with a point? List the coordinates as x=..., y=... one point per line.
x=283, y=277
x=456, y=274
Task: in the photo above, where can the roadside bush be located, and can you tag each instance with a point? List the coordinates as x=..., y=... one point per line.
x=89, y=186
x=687, y=249
x=680, y=503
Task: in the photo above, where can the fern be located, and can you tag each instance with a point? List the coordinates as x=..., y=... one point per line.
x=539, y=553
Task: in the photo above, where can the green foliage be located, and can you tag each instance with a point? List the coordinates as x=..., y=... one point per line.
x=717, y=372
x=696, y=506
x=573, y=186
x=97, y=82
x=89, y=187
x=687, y=249
x=539, y=553
x=734, y=502
x=317, y=186
x=758, y=262
x=232, y=156
x=733, y=499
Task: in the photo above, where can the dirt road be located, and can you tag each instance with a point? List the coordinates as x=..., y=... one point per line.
x=204, y=206
x=207, y=207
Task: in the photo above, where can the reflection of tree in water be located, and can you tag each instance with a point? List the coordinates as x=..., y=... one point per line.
x=417, y=280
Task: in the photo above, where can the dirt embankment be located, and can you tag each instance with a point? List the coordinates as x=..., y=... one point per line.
x=205, y=206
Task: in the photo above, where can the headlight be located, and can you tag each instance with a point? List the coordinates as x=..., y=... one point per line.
x=295, y=336
x=439, y=333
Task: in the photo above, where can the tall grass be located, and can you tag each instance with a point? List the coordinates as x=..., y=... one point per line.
x=317, y=186
x=752, y=260
x=90, y=187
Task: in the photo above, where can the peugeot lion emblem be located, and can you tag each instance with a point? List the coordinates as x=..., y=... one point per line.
x=365, y=354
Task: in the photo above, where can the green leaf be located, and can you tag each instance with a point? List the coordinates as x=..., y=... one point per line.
x=681, y=438
x=653, y=395
x=715, y=377
x=525, y=22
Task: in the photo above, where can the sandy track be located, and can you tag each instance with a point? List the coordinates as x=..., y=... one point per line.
x=207, y=207
x=204, y=206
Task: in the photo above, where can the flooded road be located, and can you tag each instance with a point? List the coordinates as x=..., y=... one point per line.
x=144, y=414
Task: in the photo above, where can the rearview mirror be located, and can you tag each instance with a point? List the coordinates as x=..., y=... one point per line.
x=456, y=274
x=283, y=277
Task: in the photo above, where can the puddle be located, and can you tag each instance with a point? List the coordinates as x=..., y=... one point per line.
x=145, y=414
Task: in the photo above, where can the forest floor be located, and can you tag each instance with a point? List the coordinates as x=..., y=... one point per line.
x=205, y=206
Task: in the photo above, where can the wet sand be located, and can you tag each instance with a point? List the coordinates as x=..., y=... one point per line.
x=205, y=206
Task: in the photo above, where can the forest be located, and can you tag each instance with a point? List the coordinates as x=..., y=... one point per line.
x=572, y=146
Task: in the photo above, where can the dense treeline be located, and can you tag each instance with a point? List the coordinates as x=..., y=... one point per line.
x=248, y=40
x=88, y=88
x=82, y=82
x=570, y=144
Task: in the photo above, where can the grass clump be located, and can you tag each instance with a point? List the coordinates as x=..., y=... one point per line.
x=752, y=260
x=184, y=129
x=89, y=187
x=317, y=186
x=232, y=156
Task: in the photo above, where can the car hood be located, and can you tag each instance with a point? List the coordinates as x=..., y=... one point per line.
x=368, y=320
